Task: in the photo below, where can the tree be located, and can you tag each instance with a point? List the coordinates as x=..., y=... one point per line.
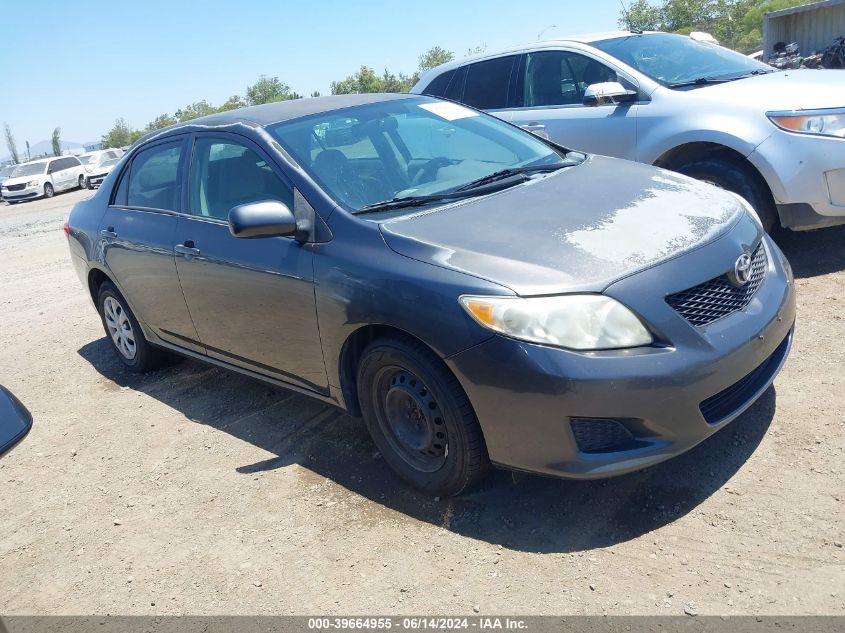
x=10, y=143
x=365, y=80
x=734, y=23
x=56, y=140
x=232, y=103
x=161, y=121
x=433, y=57
x=316, y=93
x=194, y=111
x=121, y=134
x=267, y=90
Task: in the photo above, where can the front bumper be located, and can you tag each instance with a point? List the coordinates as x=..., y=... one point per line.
x=95, y=180
x=806, y=174
x=532, y=401
x=22, y=194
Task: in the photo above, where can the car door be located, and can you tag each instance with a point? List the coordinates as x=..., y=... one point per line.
x=252, y=300
x=137, y=236
x=549, y=96
x=54, y=170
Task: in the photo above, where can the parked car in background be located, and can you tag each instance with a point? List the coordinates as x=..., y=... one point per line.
x=775, y=138
x=5, y=172
x=98, y=164
x=476, y=293
x=44, y=177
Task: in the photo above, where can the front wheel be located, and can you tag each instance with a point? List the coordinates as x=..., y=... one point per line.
x=48, y=190
x=82, y=182
x=732, y=175
x=420, y=418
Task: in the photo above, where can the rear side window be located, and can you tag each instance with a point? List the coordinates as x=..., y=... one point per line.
x=73, y=161
x=487, y=83
x=438, y=86
x=153, y=180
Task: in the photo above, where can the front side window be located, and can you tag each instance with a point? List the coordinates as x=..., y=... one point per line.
x=410, y=147
x=487, y=83
x=678, y=59
x=560, y=78
x=225, y=174
x=154, y=178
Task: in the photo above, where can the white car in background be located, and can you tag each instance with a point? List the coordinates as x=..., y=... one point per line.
x=98, y=164
x=44, y=177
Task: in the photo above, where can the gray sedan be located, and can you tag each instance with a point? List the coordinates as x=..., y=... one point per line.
x=478, y=295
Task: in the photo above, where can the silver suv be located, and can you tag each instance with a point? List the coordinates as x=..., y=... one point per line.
x=775, y=138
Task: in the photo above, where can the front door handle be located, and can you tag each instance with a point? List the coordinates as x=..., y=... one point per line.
x=187, y=249
x=109, y=232
x=533, y=127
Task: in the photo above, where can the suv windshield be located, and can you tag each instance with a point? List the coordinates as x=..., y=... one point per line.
x=29, y=169
x=88, y=159
x=408, y=149
x=678, y=59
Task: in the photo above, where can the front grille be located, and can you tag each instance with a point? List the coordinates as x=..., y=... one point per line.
x=16, y=187
x=730, y=400
x=717, y=298
x=595, y=435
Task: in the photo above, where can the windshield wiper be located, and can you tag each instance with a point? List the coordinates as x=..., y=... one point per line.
x=701, y=81
x=408, y=201
x=514, y=171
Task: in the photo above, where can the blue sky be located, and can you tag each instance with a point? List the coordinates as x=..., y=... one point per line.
x=148, y=57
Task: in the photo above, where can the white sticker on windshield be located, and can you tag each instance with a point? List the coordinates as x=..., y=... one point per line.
x=448, y=111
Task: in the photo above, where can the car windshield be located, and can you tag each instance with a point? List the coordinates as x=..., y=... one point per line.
x=407, y=149
x=88, y=159
x=109, y=162
x=29, y=169
x=678, y=59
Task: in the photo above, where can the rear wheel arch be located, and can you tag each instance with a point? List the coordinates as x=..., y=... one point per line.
x=96, y=277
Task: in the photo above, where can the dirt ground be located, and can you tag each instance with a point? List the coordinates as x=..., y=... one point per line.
x=194, y=490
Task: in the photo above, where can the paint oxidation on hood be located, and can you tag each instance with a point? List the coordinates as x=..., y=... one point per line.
x=581, y=228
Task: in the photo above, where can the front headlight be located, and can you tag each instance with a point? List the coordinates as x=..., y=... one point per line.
x=33, y=183
x=819, y=122
x=582, y=322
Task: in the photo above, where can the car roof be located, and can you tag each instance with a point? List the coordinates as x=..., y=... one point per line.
x=584, y=38
x=271, y=113
x=279, y=112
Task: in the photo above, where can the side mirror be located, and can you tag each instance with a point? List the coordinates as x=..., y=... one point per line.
x=15, y=421
x=609, y=92
x=269, y=218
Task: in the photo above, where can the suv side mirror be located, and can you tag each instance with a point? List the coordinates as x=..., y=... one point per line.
x=269, y=218
x=610, y=92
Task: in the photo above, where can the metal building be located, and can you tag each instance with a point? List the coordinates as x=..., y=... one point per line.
x=814, y=26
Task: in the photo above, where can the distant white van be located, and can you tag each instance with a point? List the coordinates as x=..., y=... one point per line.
x=44, y=177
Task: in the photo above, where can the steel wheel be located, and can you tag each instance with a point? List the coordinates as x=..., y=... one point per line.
x=119, y=328
x=48, y=190
x=411, y=419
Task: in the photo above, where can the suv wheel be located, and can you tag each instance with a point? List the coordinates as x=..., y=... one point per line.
x=82, y=182
x=124, y=332
x=48, y=190
x=420, y=418
x=732, y=175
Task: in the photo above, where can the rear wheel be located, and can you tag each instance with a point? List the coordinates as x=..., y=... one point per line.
x=732, y=175
x=124, y=332
x=420, y=418
x=81, y=182
x=48, y=190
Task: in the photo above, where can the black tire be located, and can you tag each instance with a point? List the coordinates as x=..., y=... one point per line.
x=88, y=184
x=48, y=190
x=448, y=455
x=734, y=176
x=82, y=182
x=146, y=357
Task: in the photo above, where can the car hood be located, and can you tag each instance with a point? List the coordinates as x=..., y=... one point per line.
x=785, y=90
x=581, y=228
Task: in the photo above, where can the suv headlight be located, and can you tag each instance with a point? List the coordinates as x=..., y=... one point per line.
x=829, y=122
x=581, y=322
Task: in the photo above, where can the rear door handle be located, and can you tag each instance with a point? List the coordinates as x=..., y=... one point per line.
x=187, y=249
